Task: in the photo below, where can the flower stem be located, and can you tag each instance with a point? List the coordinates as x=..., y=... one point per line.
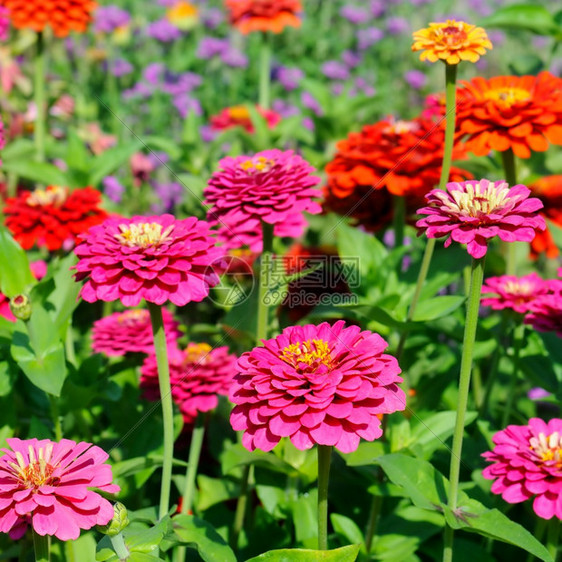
x=265, y=278
x=477, y=276
x=374, y=514
x=57, y=427
x=118, y=544
x=41, y=544
x=39, y=90
x=161, y=349
x=450, y=118
x=265, y=71
x=518, y=334
x=552, y=537
x=508, y=161
x=324, y=458
x=240, y=514
x=399, y=211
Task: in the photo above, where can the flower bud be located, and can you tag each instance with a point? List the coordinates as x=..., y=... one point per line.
x=20, y=305
x=118, y=523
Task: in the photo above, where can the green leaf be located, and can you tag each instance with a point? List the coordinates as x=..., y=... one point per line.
x=199, y=534
x=347, y=528
x=366, y=453
x=18, y=149
x=111, y=160
x=437, y=307
x=40, y=172
x=15, y=275
x=344, y=554
x=77, y=155
x=524, y=17
x=236, y=456
x=368, y=251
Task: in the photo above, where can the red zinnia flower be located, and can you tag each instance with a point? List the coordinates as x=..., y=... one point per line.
x=53, y=217
x=198, y=374
x=63, y=16
x=239, y=116
x=264, y=15
x=158, y=259
x=322, y=385
x=523, y=113
x=130, y=332
x=473, y=212
x=390, y=157
x=549, y=191
x=47, y=485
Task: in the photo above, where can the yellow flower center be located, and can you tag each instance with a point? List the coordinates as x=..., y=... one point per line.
x=133, y=316
x=453, y=35
x=239, y=112
x=520, y=288
x=143, y=234
x=38, y=471
x=53, y=195
x=477, y=200
x=399, y=127
x=311, y=353
x=508, y=96
x=257, y=165
x=197, y=352
x=547, y=447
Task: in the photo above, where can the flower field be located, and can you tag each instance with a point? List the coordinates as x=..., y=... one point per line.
x=280, y=280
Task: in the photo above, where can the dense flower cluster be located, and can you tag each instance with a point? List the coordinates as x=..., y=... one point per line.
x=47, y=485
x=474, y=212
x=273, y=186
x=322, y=385
x=391, y=157
x=198, y=375
x=264, y=15
x=521, y=113
x=157, y=258
x=63, y=16
x=54, y=217
x=526, y=463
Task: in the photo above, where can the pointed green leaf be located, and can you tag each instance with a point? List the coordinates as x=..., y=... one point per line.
x=344, y=554
x=15, y=275
x=40, y=172
x=526, y=17
x=437, y=307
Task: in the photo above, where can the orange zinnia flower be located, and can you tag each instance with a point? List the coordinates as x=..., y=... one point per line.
x=264, y=15
x=239, y=116
x=63, y=16
x=391, y=157
x=451, y=41
x=523, y=113
x=549, y=191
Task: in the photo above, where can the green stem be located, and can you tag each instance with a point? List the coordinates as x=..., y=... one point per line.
x=161, y=349
x=240, y=514
x=552, y=537
x=399, y=218
x=113, y=93
x=471, y=323
x=265, y=72
x=518, y=335
x=42, y=548
x=374, y=514
x=508, y=161
x=450, y=118
x=39, y=89
x=69, y=345
x=57, y=427
x=264, y=280
x=193, y=462
x=118, y=544
x=324, y=458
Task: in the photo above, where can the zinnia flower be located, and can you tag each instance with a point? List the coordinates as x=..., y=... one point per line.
x=527, y=462
x=53, y=217
x=322, y=385
x=130, y=332
x=156, y=258
x=47, y=485
x=391, y=157
x=451, y=41
x=523, y=113
x=239, y=116
x=473, y=212
x=264, y=15
x=183, y=15
x=273, y=186
x=198, y=374
x=546, y=311
x=63, y=16
x=549, y=190
x=515, y=293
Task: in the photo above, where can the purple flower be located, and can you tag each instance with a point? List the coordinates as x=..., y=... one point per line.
x=109, y=18
x=284, y=108
x=310, y=102
x=113, y=189
x=289, y=77
x=351, y=59
x=176, y=84
x=210, y=47
x=162, y=30
x=416, y=79
x=377, y=8
x=186, y=104
x=207, y=133
x=168, y=196
x=234, y=58
x=153, y=73
x=354, y=14
x=397, y=26
x=364, y=86
x=368, y=37
x=121, y=67
x=335, y=70
x=497, y=37
x=212, y=17
x=139, y=90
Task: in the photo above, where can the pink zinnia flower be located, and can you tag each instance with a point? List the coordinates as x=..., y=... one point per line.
x=130, y=332
x=47, y=485
x=527, y=462
x=198, y=374
x=516, y=293
x=473, y=212
x=156, y=258
x=322, y=385
x=546, y=312
x=273, y=186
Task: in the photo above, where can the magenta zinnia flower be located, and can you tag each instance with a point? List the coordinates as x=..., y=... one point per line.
x=198, y=374
x=47, y=485
x=473, y=212
x=272, y=186
x=515, y=293
x=546, y=312
x=322, y=385
x=157, y=258
x=527, y=462
x=130, y=332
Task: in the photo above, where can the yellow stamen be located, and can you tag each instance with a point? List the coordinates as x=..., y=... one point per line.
x=53, y=195
x=311, y=353
x=477, y=200
x=548, y=448
x=197, y=352
x=257, y=165
x=143, y=234
x=508, y=97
